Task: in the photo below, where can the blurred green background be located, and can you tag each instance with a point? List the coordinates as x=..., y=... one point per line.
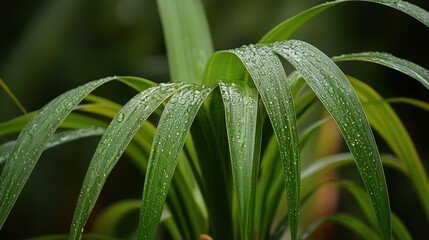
x=50, y=46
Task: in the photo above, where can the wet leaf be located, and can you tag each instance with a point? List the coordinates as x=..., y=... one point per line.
x=170, y=136
x=396, y=136
x=57, y=139
x=241, y=112
x=335, y=92
x=270, y=79
x=284, y=30
x=411, y=69
x=32, y=141
x=113, y=143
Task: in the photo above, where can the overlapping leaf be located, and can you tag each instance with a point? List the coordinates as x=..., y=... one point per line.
x=396, y=136
x=57, y=139
x=241, y=105
x=32, y=141
x=336, y=93
x=284, y=30
x=411, y=69
x=112, y=144
x=270, y=79
x=169, y=139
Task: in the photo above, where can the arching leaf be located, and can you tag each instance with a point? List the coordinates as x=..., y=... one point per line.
x=32, y=141
x=170, y=136
x=270, y=79
x=112, y=144
x=335, y=92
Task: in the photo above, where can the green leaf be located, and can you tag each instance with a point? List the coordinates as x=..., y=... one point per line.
x=32, y=141
x=284, y=30
x=57, y=139
x=12, y=96
x=385, y=121
x=411, y=69
x=346, y=220
x=65, y=237
x=173, y=127
x=270, y=79
x=364, y=202
x=335, y=92
x=139, y=84
x=241, y=106
x=410, y=101
x=113, y=143
x=108, y=220
x=187, y=39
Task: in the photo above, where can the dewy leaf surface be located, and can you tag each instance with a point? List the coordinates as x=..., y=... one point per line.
x=112, y=144
x=336, y=93
x=241, y=110
x=396, y=136
x=170, y=136
x=411, y=69
x=284, y=30
x=33, y=139
x=57, y=139
x=270, y=79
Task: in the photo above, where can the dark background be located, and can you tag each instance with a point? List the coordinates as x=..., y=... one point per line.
x=50, y=46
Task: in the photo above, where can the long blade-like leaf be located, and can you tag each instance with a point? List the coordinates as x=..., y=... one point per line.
x=109, y=219
x=396, y=136
x=112, y=144
x=187, y=38
x=173, y=127
x=336, y=93
x=364, y=202
x=241, y=105
x=346, y=220
x=284, y=30
x=32, y=141
x=270, y=79
x=411, y=69
x=57, y=139
x=12, y=96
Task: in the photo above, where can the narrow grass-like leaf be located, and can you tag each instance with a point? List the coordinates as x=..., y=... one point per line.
x=182, y=203
x=411, y=101
x=32, y=141
x=400, y=231
x=107, y=222
x=57, y=139
x=346, y=220
x=211, y=143
x=187, y=39
x=173, y=127
x=12, y=96
x=396, y=136
x=336, y=93
x=411, y=69
x=139, y=84
x=364, y=202
x=269, y=189
x=112, y=144
x=84, y=237
x=270, y=79
x=241, y=105
x=266, y=196
x=284, y=30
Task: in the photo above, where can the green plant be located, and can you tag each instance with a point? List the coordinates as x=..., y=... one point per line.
x=228, y=119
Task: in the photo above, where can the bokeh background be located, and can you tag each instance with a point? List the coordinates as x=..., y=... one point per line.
x=50, y=46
